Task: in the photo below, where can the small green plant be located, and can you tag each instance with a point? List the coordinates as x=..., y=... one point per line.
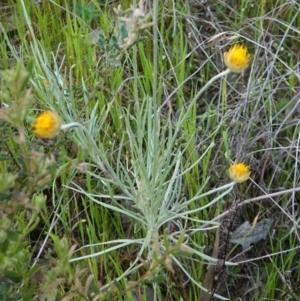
x=20, y=184
x=23, y=178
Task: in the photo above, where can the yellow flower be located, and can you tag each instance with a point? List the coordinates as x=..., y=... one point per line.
x=47, y=125
x=237, y=58
x=239, y=172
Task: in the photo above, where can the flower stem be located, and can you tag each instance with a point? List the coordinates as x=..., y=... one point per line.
x=202, y=90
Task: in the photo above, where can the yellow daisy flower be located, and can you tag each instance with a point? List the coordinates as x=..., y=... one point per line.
x=47, y=125
x=237, y=58
x=239, y=172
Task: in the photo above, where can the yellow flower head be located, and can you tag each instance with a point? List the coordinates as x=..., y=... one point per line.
x=239, y=172
x=237, y=58
x=47, y=125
